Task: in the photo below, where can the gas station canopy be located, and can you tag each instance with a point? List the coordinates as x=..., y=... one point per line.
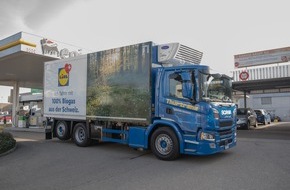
x=26, y=68
x=22, y=58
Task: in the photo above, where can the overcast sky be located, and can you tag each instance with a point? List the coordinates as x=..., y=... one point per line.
x=220, y=29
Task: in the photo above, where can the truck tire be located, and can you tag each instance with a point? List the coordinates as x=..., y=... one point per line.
x=62, y=130
x=80, y=135
x=164, y=144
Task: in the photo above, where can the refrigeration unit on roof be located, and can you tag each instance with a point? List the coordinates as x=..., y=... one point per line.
x=178, y=54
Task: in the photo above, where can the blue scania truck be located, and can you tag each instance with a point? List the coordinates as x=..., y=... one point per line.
x=147, y=96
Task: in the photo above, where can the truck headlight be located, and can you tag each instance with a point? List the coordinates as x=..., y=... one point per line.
x=207, y=136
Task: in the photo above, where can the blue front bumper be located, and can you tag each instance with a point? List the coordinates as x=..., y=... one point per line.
x=193, y=147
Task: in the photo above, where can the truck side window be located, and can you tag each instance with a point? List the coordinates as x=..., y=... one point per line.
x=175, y=85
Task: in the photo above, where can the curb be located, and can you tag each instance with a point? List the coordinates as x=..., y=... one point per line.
x=9, y=151
x=17, y=129
x=263, y=126
x=258, y=128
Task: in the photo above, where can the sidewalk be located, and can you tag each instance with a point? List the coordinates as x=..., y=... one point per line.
x=9, y=128
x=261, y=126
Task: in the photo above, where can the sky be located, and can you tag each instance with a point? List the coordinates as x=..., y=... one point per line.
x=220, y=29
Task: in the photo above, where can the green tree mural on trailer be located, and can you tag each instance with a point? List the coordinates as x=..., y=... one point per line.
x=119, y=83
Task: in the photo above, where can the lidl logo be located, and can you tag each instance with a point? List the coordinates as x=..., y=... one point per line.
x=63, y=75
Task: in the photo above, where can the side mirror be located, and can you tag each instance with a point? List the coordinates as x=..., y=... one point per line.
x=216, y=76
x=186, y=76
x=187, y=87
x=187, y=90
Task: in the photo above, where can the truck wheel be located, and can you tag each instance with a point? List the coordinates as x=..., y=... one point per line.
x=164, y=144
x=80, y=135
x=62, y=130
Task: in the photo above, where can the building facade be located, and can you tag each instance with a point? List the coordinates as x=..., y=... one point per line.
x=262, y=81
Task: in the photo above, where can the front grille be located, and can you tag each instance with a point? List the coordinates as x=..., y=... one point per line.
x=225, y=142
x=226, y=123
x=225, y=132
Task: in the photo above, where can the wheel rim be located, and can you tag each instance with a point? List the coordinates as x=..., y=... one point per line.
x=80, y=134
x=163, y=144
x=60, y=129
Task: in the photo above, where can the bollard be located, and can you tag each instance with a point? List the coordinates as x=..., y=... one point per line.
x=4, y=121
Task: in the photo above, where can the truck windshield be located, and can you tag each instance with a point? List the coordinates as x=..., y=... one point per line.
x=216, y=88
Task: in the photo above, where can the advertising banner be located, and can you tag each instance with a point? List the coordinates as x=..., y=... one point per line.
x=65, y=84
x=262, y=57
x=119, y=86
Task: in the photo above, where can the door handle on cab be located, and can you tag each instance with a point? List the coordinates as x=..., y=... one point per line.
x=169, y=110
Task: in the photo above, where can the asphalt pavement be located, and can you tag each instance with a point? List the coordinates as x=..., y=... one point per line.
x=259, y=161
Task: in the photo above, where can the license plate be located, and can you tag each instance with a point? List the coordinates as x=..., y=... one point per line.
x=227, y=146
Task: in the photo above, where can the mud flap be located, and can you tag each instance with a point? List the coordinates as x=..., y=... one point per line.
x=48, y=132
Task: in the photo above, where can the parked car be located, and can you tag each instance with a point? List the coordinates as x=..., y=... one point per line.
x=263, y=116
x=246, y=118
x=275, y=118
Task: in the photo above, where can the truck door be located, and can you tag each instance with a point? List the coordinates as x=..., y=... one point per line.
x=174, y=106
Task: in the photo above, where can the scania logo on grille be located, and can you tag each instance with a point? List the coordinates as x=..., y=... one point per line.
x=226, y=112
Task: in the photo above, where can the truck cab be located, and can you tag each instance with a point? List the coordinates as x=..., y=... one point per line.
x=198, y=106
